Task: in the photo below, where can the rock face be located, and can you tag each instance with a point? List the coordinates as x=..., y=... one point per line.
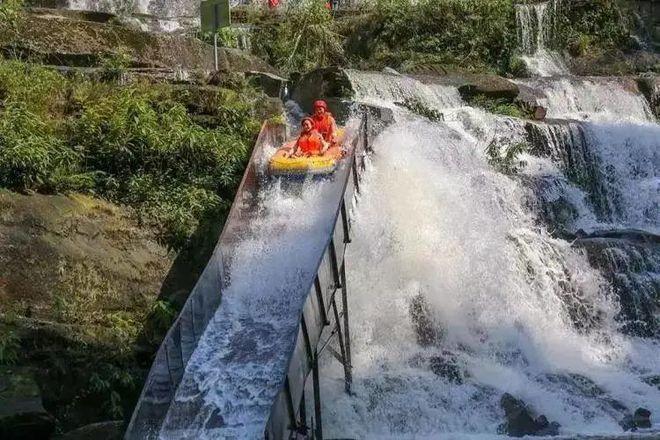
x=112, y=430
x=22, y=415
x=85, y=40
x=157, y=8
x=520, y=420
x=470, y=85
x=70, y=265
x=331, y=84
x=630, y=260
x=642, y=418
x=650, y=87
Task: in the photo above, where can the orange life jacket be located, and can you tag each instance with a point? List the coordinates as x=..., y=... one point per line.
x=310, y=143
x=325, y=125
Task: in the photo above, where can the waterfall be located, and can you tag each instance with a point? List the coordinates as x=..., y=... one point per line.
x=596, y=99
x=156, y=8
x=536, y=22
x=387, y=89
x=468, y=295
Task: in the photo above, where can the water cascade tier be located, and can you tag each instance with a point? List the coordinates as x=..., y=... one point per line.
x=536, y=23
x=536, y=277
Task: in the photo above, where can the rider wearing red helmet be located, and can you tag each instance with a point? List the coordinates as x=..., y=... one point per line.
x=324, y=123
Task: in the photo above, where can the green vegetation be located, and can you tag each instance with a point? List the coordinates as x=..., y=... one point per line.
x=11, y=15
x=504, y=157
x=500, y=106
x=593, y=25
x=304, y=39
x=142, y=145
x=418, y=107
x=474, y=35
x=9, y=345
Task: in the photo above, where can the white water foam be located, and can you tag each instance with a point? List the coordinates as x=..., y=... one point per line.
x=387, y=89
x=492, y=280
x=593, y=99
x=519, y=311
x=535, y=25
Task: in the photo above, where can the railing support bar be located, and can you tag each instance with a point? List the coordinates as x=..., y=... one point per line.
x=318, y=428
x=348, y=366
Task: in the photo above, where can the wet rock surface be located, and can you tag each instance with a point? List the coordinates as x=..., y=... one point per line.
x=642, y=418
x=22, y=414
x=521, y=421
x=111, y=430
x=630, y=260
x=649, y=85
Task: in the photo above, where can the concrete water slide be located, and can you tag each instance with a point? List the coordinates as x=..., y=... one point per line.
x=236, y=362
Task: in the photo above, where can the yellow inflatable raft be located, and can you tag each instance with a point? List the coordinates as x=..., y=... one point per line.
x=279, y=164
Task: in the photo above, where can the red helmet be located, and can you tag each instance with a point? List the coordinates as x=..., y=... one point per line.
x=320, y=103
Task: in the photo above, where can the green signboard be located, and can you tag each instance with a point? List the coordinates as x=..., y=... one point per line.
x=215, y=15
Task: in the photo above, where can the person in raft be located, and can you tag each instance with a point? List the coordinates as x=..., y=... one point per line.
x=310, y=142
x=324, y=122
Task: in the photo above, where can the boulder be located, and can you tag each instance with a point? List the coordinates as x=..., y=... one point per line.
x=650, y=88
x=627, y=423
x=446, y=366
x=22, y=414
x=546, y=428
x=520, y=420
x=111, y=430
x=428, y=331
x=272, y=85
x=642, y=418
x=331, y=84
x=471, y=85
x=491, y=86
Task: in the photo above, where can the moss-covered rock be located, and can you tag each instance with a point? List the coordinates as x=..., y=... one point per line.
x=71, y=40
x=79, y=285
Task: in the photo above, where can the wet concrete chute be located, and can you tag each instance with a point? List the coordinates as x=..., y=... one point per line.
x=242, y=359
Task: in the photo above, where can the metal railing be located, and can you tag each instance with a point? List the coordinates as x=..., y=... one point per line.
x=324, y=322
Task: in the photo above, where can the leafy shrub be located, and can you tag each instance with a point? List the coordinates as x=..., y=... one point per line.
x=9, y=346
x=29, y=152
x=500, y=106
x=140, y=145
x=476, y=34
x=418, y=107
x=114, y=65
x=303, y=40
x=518, y=67
x=504, y=158
x=11, y=16
x=592, y=23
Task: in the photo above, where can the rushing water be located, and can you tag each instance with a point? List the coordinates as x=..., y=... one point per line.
x=157, y=8
x=535, y=26
x=467, y=295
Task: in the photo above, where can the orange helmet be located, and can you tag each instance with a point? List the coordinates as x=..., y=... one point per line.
x=320, y=103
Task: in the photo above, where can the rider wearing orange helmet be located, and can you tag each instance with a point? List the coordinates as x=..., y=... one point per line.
x=324, y=123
